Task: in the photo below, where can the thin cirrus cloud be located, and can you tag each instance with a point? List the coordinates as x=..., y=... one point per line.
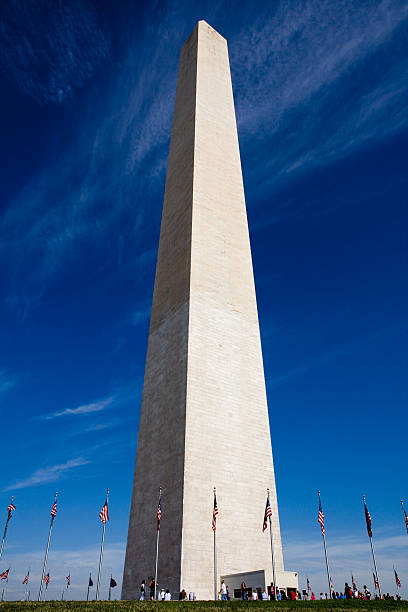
x=6, y=382
x=296, y=70
x=47, y=52
x=78, y=562
x=131, y=119
x=334, y=353
x=298, y=76
x=47, y=474
x=347, y=555
x=81, y=410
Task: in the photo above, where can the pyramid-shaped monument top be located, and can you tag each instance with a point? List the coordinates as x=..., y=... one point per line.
x=204, y=416
x=204, y=24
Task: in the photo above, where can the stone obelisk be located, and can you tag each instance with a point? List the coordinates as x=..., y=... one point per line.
x=204, y=416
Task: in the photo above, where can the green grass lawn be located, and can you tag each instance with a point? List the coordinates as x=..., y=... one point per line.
x=173, y=606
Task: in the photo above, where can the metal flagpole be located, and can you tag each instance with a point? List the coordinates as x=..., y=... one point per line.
x=373, y=553
x=157, y=546
x=405, y=515
x=325, y=554
x=215, y=557
x=157, y=560
x=98, y=582
x=375, y=565
x=275, y=588
x=46, y=551
x=327, y=564
x=5, y=528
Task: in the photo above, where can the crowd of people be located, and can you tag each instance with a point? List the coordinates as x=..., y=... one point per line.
x=352, y=592
x=293, y=595
x=152, y=591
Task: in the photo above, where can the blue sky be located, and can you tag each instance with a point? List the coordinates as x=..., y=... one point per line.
x=87, y=93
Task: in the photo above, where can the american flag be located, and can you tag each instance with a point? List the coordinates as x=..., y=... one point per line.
x=320, y=516
x=4, y=575
x=104, y=514
x=268, y=513
x=397, y=580
x=46, y=579
x=368, y=520
x=54, y=509
x=10, y=508
x=25, y=581
x=405, y=515
x=308, y=585
x=159, y=513
x=68, y=580
x=375, y=582
x=215, y=514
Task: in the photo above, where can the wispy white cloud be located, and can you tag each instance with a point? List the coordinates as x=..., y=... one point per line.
x=81, y=410
x=47, y=53
x=100, y=426
x=333, y=354
x=346, y=554
x=297, y=72
x=140, y=316
x=78, y=562
x=61, y=208
x=288, y=63
x=7, y=382
x=50, y=473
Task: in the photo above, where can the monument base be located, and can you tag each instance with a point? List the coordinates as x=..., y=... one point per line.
x=256, y=580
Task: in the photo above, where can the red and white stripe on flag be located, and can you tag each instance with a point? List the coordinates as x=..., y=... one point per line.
x=159, y=512
x=54, y=509
x=267, y=515
x=104, y=514
x=320, y=515
x=215, y=514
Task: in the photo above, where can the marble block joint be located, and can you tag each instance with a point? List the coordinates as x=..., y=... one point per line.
x=204, y=416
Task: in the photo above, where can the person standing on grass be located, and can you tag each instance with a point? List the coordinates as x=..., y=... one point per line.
x=367, y=592
x=223, y=591
x=143, y=591
x=183, y=595
x=152, y=585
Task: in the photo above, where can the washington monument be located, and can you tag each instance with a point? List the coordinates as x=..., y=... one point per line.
x=204, y=416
